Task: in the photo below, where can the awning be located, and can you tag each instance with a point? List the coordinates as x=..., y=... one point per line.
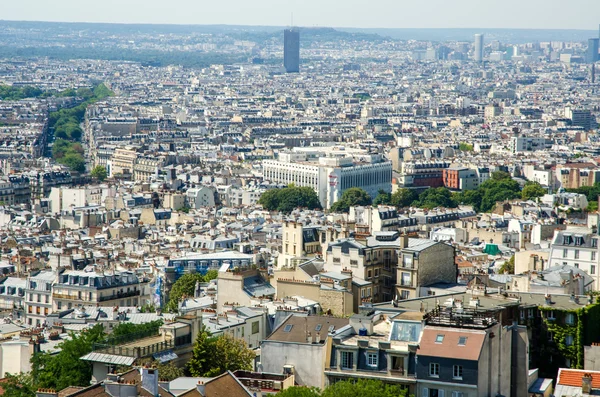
x=165, y=356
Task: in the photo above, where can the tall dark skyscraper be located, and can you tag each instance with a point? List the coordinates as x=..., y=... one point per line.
x=592, y=50
x=291, y=50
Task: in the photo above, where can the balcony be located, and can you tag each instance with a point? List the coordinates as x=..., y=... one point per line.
x=119, y=295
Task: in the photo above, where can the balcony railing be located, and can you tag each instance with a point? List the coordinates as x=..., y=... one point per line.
x=119, y=295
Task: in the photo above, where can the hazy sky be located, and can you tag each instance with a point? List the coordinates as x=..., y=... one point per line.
x=552, y=14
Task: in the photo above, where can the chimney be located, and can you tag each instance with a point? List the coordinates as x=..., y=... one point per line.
x=403, y=241
x=586, y=384
x=150, y=380
x=548, y=298
x=200, y=386
x=308, y=338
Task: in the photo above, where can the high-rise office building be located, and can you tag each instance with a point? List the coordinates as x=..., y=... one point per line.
x=291, y=50
x=592, y=50
x=478, y=55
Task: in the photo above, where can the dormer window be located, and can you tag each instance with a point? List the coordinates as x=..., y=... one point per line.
x=566, y=240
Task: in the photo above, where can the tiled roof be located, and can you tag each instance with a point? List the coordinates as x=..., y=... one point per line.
x=444, y=342
x=572, y=377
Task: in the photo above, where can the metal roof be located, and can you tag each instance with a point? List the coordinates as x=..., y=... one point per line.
x=108, y=358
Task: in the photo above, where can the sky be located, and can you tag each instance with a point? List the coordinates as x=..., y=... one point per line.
x=534, y=14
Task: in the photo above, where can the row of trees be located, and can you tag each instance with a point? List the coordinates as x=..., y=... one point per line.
x=289, y=198
x=499, y=187
x=67, y=131
x=185, y=286
x=483, y=199
x=360, y=388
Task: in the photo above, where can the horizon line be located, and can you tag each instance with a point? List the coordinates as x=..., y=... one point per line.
x=595, y=29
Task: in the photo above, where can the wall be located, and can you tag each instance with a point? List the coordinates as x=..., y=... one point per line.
x=308, y=361
x=15, y=357
x=436, y=264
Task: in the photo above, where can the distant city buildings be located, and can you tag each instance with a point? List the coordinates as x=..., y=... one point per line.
x=478, y=51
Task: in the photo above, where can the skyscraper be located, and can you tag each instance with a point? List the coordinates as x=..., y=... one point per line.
x=478, y=56
x=592, y=50
x=291, y=50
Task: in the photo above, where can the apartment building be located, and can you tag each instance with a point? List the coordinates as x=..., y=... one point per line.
x=38, y=297
x=74, y=288
x=331, y=176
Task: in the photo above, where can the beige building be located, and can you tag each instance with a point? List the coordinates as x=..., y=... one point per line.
x=123, y=161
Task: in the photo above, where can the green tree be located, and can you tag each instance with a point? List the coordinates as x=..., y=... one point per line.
x=20, y=385
x=57, y=371
x=169, y=371
x=74, y=161
x=469, y=197
x=436, y=197
x=212, y=356
x=184, y=286
x=383, y=198
x=289, y=198
x=299, y=391
x=99, y=172
x=508, y=266
x=211, y=275
x=350, y=198
x=363, y=388
x=532, y=190
x=592, y=206
x=200, y=362
x=229, y=354
x=465, y=147
x=403, y=198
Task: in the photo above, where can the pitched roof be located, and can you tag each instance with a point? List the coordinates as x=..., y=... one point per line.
x=225, y=385
x=296, y=328
x=572, y=377
x=444, y=342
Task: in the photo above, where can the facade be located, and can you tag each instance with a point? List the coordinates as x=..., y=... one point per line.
x=74, y=288
x=291, y=50
x=422, y=173
x=581, y=118
x=422, y=263
x=461, y=178
x=331, y=176
x=579, y=249
x=38, y=297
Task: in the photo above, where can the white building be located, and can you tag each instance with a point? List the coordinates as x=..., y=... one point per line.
x=579, y=248
x=66, y=198
x=331, y=176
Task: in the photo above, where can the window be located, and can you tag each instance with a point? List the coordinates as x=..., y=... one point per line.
x=288, y=328
x=347, y=360
x=439, y=338
x=433, y=392
x=256, y=327
x=522, y=314
x=434, y=370
x=570, y=318
x=576, y=254
x=550, y=315
x=593, y=269
x=593, y=255
x=569, y=340
x=457, y=394
x=462, y=340
x=577, y=265
x=565, y=253
x=372, y=359
x=368, y=274
x=568, y=363
x=594, y=242
x=550, y=336
x=318, y=327
x=457, y=371
x=530, y=313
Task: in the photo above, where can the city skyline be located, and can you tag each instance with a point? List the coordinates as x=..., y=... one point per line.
x=533, y=14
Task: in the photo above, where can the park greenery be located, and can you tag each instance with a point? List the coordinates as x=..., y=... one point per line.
x=348, y=388
x=213, y=356
x=184, y=287
x=67, y=130
x=289, y=198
